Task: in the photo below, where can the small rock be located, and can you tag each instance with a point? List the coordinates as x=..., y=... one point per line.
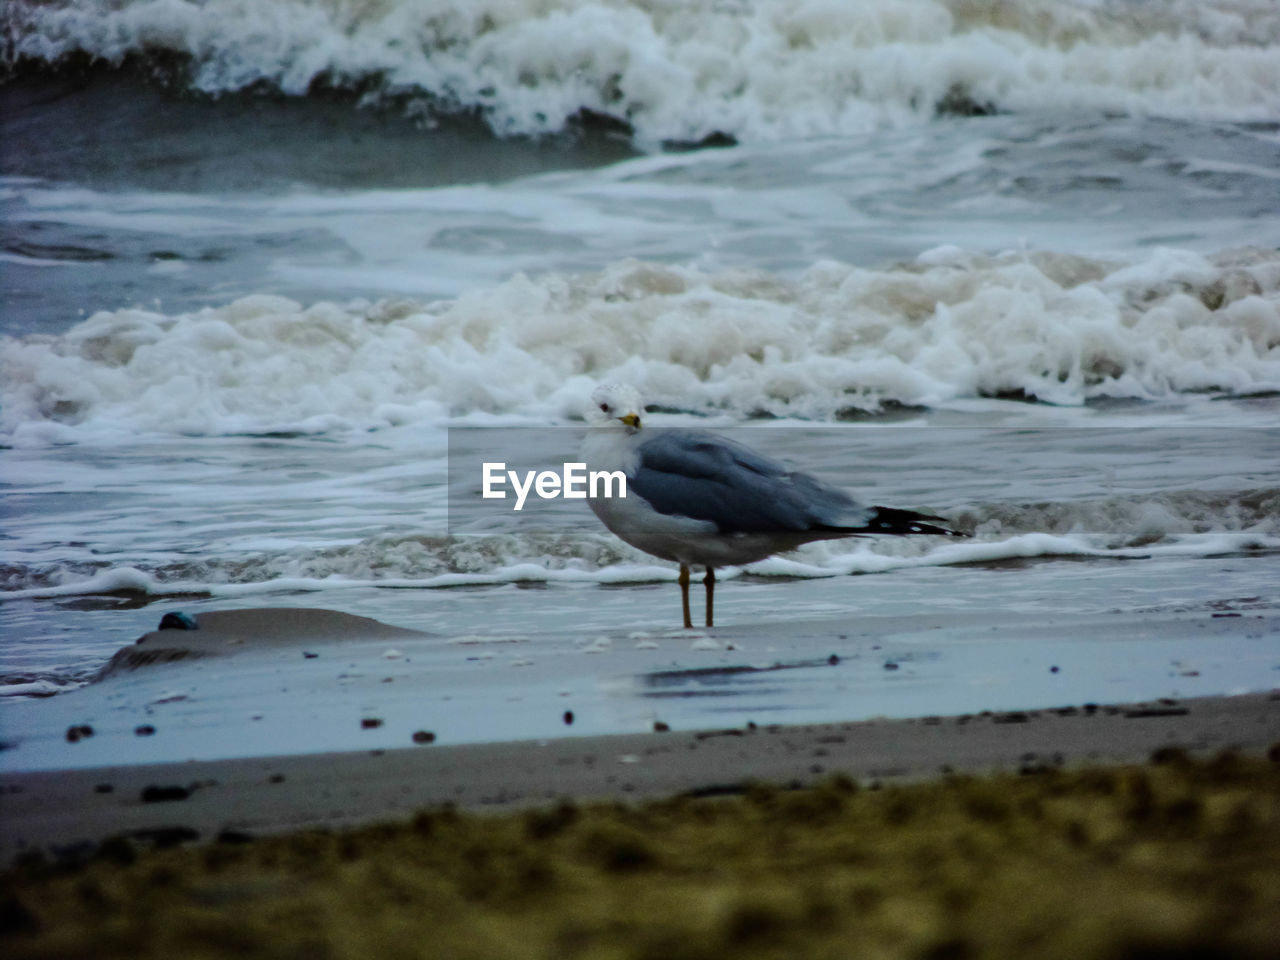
x=424, y=736
x=156, y=794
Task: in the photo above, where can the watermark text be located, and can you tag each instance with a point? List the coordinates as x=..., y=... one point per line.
x=573, y=482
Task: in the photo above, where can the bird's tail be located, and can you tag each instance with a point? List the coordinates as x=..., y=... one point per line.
x=902, y=522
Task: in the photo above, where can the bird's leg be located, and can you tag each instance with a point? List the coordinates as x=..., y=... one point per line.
x=709, y=581
x=684, y=595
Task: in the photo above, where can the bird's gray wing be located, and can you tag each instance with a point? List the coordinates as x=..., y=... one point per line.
x=701, y=475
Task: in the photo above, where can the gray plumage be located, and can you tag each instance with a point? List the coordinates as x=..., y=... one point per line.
x=700, y=475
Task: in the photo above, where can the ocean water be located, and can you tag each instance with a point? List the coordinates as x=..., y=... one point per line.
x=1014, y=262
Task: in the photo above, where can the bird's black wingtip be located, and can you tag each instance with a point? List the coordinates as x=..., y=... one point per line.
x=890, y=520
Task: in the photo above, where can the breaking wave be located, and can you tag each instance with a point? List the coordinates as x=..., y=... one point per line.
x=688, y=72
x=837, y=342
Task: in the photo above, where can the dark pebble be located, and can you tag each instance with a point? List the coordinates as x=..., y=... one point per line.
x=154, y=794
x=891, y=665
x=1014, y=716
x=568, y=717
x=424, y=736
x=660, y=726
x=1144, y=712
x=79, y=731
x=177, y=620
x=145, y=730
x=370, y=723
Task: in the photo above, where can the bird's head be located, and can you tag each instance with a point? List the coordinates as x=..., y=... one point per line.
x=614, y=403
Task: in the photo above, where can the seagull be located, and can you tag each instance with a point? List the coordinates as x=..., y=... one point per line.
x=703, y=500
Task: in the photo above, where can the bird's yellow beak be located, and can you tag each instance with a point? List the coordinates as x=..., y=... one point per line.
x=632, y=420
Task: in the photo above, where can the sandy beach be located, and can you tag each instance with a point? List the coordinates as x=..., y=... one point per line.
x=255, y=721
x=66, y=813
x=939, y=836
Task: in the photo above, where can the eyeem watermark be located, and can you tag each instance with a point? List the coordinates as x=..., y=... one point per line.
x=573, y=482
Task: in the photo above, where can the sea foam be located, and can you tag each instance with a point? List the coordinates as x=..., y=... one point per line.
x=833, y=559
x=834, y=342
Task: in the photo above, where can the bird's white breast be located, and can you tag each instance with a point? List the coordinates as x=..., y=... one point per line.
x=610, y=448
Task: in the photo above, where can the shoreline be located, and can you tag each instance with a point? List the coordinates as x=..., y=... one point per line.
x=68, y=814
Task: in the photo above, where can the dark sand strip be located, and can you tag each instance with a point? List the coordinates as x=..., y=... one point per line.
x=69, y=813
